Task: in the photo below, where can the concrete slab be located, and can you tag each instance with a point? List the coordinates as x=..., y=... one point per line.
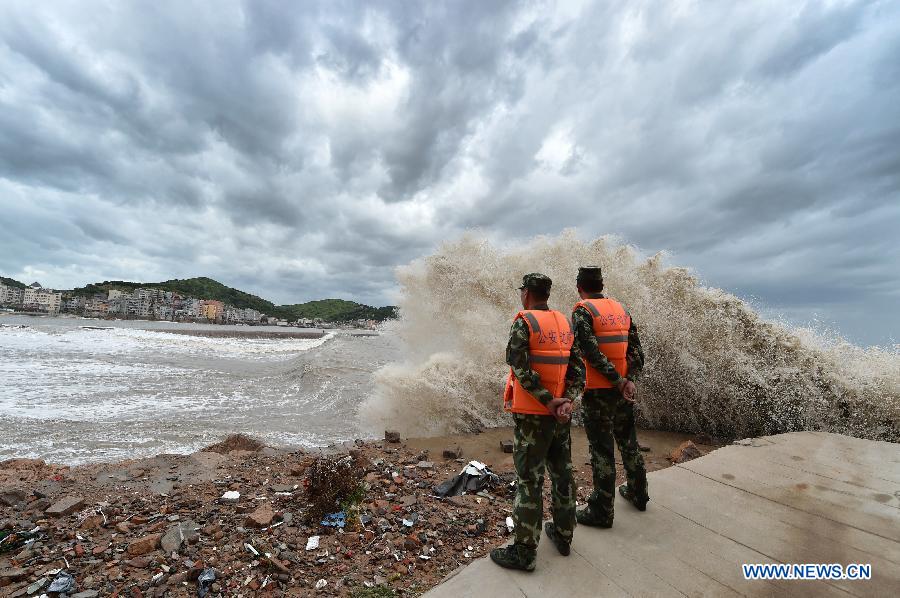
x=806, y=497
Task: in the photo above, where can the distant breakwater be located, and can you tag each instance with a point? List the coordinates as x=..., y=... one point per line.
x=307, y=334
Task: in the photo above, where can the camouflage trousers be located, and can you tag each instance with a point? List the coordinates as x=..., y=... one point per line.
x=608, y=418
x=540, y=441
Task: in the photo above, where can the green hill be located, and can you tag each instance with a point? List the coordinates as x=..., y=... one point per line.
x=338, y=310
x=332, y=310
x=12, y=283
x=201, y=288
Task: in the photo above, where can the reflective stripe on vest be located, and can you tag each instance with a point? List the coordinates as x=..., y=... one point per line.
x=549, y=346
x=611, y=326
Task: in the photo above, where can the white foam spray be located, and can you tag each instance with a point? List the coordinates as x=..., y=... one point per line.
x=713, y=364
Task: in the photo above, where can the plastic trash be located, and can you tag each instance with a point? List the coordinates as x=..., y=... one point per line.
x=321, y=584
x=205, y=581
x=510, y=525
x=474, y=477
x=338, y=519
x=312, y=543
x=11, y=540
x=63, y=583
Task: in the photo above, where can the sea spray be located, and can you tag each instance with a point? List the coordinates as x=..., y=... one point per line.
x=713, y=364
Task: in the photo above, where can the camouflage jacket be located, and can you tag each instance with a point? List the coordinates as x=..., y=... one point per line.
x=518, y=358
x=583, y=327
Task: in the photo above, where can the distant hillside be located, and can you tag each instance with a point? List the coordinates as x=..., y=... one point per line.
x=333, y=310
x=12, y=283
x=338, y=310
x=201, y=288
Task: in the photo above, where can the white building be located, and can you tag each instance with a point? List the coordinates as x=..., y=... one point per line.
x=97, y=305
x=29, y=296
x=47, y=300
x=10, y=295
x=190, y=307
x=74, y=303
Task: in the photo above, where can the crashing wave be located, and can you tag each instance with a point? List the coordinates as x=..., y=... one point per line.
x=713, y=364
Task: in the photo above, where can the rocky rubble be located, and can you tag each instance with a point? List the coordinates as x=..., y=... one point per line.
x=235, y=520
x=115, y=535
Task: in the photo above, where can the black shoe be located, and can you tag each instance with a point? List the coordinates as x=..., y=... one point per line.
x=587, y=517
x=515, y=556
x=639, y=503
x=562, y=546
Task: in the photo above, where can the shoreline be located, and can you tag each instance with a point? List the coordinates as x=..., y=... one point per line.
x=104, y=522
x=247, y=334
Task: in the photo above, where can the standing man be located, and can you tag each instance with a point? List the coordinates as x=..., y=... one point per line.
x=546, y=375
x=607, y=339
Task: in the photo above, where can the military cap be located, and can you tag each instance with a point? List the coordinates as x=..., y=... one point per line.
x=590, y=273
x=536, y=282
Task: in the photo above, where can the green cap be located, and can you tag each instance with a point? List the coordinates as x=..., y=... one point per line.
x=590, y=273
x=536, y=282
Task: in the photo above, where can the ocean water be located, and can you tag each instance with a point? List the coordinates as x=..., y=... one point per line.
x=714, y=365
x=71, y=394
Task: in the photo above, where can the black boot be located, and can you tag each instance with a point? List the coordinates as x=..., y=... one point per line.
x=639, y=503
x=515, y=556
x=563, y=546
x=587, y=517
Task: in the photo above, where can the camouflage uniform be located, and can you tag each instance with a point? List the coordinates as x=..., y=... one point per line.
x=608, y=417
x=541, y=441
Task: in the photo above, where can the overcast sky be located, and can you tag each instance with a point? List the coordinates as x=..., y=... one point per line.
x=299, y=150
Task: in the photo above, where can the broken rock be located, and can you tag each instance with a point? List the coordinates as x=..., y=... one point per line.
x=391, y=436
x=261, y=517
x=65, y=506
x=178, y=535
x=144, y=545
x=453, y=453
x=685, y=451
x=12, y=496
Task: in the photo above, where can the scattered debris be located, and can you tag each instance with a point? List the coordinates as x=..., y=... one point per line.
x=136, y=537
x=205, y=581
x=391, y=436
x=64, y=583
x=338, y=519
x=473, y=478
x=231, y=496
x=506, y=446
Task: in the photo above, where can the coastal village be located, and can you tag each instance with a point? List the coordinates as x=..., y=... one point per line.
x=148, y=304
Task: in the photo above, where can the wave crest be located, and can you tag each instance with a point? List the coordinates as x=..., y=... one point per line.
x=713, y=364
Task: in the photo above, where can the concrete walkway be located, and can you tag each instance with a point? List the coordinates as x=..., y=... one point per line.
x=805, y=497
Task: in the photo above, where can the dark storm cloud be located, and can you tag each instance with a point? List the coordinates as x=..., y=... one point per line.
x=304, y=150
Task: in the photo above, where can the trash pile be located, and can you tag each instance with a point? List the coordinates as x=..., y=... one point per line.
x=248, y=522
x=242, y=519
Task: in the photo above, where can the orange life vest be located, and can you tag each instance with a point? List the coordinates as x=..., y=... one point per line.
x=549, y=347
x=611, y=325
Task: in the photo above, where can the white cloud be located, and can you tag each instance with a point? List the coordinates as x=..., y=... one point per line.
x=304, y=153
